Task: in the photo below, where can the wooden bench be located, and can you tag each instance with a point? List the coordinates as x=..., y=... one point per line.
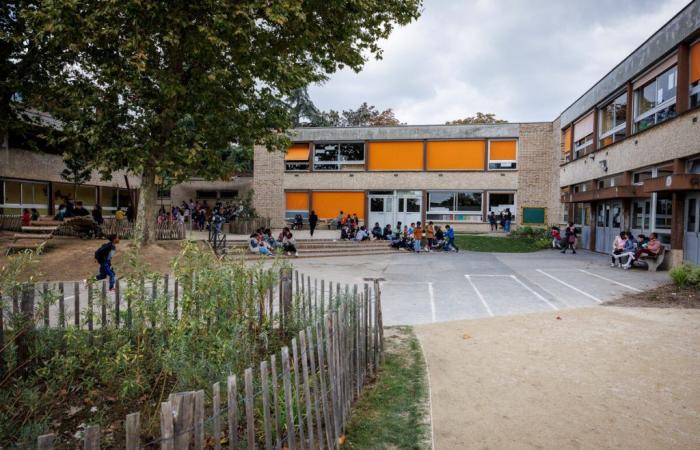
x=653, y=263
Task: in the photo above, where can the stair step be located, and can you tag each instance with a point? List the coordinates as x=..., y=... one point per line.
x=38, y=229
x=251, y=256
x=42, y=223
x=32, y=236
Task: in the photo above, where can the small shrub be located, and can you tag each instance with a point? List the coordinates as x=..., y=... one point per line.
x=686, y=275
x=528, y=232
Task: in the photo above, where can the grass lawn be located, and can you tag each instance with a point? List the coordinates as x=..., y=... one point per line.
x=394, y=413
x=496, y=244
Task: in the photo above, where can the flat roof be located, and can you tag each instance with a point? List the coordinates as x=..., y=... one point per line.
x=405, y=132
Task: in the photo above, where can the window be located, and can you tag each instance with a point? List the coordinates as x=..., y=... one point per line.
x=499, y=201
x=462, y=206
x=655, y=102
x=297, y=158
x=610, y=182
x=640, y=177
x=503, y=155
x=566, y=145
x=583, y=136
x=228, y=195
x=694, y=166
x=641, y=210
x=582, y=213
x=664, y=211
x=339, y=156
x=164, y=193
x=206, y=195
x=17, y=195
x=613, y=120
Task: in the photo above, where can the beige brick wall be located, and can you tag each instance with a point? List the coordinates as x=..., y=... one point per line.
x=677, y=138
x=268, y=185
x=538, y=170
x=186, y=191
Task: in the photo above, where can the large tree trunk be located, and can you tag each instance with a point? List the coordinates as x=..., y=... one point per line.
x=145, y=229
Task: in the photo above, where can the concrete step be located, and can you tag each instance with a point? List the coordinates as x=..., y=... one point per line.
x=250, y=256
x=32, y=236
x=323, y=244
x=39, y=229
x=46, y=222
x=342, y=250
x=23, y=244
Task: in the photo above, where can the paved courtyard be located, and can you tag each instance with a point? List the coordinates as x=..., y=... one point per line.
x=438, y=287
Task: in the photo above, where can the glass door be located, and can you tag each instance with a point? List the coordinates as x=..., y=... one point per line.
x=691, y=238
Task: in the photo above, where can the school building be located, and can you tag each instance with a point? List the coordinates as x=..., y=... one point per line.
x=451, y=174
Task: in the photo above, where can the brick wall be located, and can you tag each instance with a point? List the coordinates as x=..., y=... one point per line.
x=268, y=185
x=538, y=170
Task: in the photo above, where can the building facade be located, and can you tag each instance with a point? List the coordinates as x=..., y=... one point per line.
x=447, y=174
x=630, y=145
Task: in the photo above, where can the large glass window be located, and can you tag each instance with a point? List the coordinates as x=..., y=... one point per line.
x=640, y=177
x=459, y=206
x=613, y=120
x=339, y=156
x=583, y=146
x=17, y=195
x=85, y=194
x=499, y=201
x=655, y=102
x=641, y=210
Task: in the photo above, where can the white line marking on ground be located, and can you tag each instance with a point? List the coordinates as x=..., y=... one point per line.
x=544, y=289
x=612, y=281
x=536, y=294
x=432, y=301
x=570, y=286
x=478, y=294
x=487, y=275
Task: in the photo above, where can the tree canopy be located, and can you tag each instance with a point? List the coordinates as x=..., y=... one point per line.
x=167, y=88
x=479, y=119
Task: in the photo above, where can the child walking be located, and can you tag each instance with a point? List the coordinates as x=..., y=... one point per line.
x=103, y=256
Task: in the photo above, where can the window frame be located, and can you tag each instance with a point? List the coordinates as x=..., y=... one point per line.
x=657, y=108
x=339, y=163
x=616, y=127
x=514, y=162
x=21, y=205
x=585, y=143
x=469, y=216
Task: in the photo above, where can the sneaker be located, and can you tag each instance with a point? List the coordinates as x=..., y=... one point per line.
x=296, y=254
x=563, y=251
x=574, y=252
x=612, y=264
x=626, y=267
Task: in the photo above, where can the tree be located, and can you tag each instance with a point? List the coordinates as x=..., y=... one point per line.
x=165, y=88
x=479, y=119
x=303, y=110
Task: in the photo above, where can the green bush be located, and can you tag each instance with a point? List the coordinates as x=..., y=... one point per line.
x=686, y=275
x=528, y=232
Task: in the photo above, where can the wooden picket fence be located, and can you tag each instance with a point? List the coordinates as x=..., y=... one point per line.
x=164, y=231
x=299, y=398
x=10, y=222
x=247, y=226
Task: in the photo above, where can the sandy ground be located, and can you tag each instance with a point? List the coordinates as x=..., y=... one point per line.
x=73, y=259
x=597, y=378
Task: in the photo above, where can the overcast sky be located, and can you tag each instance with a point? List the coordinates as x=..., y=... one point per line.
x=524, y=60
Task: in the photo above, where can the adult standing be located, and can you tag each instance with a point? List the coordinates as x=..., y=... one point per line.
x=507, y=218
x=97, y=215
x=313, y=220
x=570, y=236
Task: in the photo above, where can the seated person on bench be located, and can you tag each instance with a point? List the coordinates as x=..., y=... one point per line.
x=650, y=250
x=377, y=231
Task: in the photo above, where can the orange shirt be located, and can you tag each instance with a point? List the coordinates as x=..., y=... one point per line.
x=418, y=233
x=431, y=232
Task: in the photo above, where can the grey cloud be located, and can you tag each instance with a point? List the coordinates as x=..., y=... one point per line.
x=523, y=60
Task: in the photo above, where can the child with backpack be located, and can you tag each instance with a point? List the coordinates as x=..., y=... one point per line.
x=103, y=256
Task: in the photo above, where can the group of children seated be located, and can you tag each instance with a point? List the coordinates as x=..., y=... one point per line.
x=417, y=238
x=261, y=242
x=625, y=246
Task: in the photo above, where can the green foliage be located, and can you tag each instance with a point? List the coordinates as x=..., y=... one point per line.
x=497, y=244
x=528, y=232
x=479, y=119
x=686, y=275
x=163, y=88
x=218, y=331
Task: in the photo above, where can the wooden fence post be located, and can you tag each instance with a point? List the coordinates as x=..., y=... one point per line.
x=90, y=306
x=232, y=403
x=92, y=437
x=295, y=369
x=322, y=368
x=133, y=431
x=380, y=320
x=183, y=405
x=285, y=294
x=45, y=442
x=167, y=429
x=307, y=390
x=117, y=303
x=315, y=383
x=249, y=411
x=199, y=420
x=276, y=400
x=103, y=304
x=76, y=304
x=61, y=305
x=264, y=386
x=45, y=303
x=289, y=409
x=2, y=338
x=216, y=414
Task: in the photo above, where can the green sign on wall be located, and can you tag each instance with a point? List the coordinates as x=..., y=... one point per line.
x=534, y=215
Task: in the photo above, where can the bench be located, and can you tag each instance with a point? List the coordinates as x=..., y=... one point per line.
x=653, y=264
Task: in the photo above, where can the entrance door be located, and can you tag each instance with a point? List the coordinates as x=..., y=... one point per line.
x=608, y=224
x=409, y=207
x=381, y=210
x=691, y=240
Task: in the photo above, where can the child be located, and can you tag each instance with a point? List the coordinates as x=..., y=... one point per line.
x=450, y=238
x=556, y=237
x=26, y=217
x=103, y=256
x=418, y=235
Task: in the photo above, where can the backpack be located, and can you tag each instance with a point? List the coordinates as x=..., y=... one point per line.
x=102, y=252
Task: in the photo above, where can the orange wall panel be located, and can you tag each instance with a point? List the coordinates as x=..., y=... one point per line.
x=297, y=201
x=328, y=204
x=566, y=140
x=503, y=151
x=695, y=63
x=397, y=155
x=456, y=155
